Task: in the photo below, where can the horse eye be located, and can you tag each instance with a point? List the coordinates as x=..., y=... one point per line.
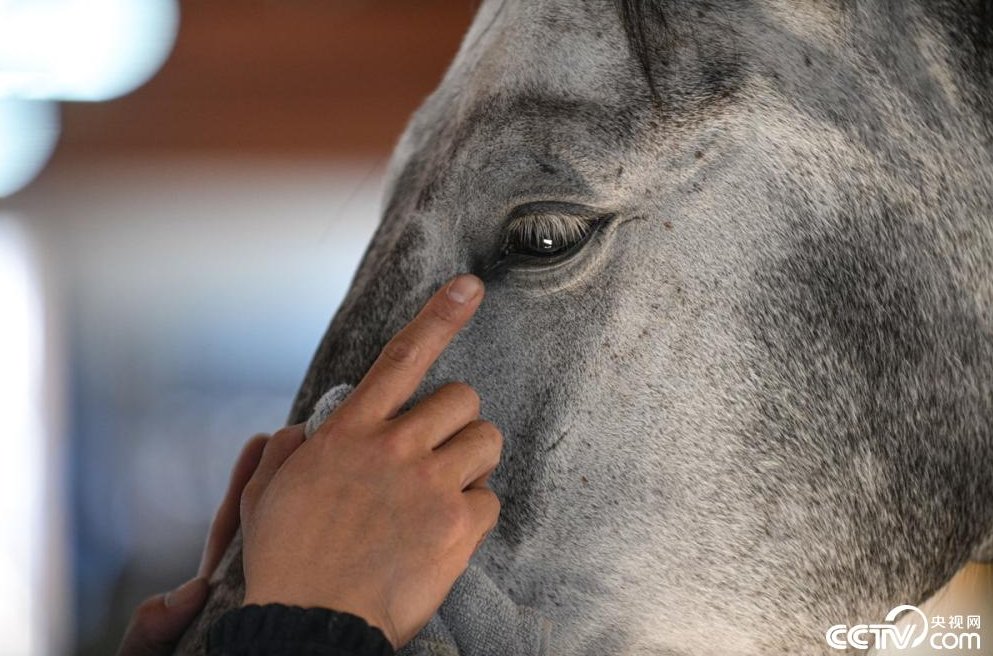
x=546, y=230
x=544, y=236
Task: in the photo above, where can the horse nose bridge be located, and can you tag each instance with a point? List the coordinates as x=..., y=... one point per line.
x=406, y=263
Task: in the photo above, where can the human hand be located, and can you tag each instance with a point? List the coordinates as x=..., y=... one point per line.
x=378, y=514
x=159, y=622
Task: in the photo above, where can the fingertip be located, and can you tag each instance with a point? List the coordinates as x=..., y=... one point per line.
x=191, y=593
x=405, y=359
x=464, y=288
x=159, y=621
x=256, y=444
x=293, y=433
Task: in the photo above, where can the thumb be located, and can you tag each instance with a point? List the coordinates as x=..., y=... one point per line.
x=159, y=622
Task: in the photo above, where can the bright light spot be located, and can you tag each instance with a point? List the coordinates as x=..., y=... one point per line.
x=70, y=50
x=28, y=132
x=82, y=49
x=22, y=467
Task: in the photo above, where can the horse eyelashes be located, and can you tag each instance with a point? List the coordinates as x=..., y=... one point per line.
x=542, y=234
x=546, y=235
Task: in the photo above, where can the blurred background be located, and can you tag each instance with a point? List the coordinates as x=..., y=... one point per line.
x=169, y=259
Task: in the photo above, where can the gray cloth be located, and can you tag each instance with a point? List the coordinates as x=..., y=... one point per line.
x=325, y=406
x=477, y=618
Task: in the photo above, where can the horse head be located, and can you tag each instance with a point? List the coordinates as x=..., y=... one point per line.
x=738, y=328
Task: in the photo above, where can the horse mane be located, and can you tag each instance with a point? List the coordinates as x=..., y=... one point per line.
x=966, y=23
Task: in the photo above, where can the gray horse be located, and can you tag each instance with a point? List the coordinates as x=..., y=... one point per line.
x=738, y=330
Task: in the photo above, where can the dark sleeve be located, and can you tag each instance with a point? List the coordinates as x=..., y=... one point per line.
x=275, y=630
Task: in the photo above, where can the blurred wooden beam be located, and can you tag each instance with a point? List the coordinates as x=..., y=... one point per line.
x=280, y=77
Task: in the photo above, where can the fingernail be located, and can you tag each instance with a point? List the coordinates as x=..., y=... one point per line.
x=463, y=288
x=184, y=594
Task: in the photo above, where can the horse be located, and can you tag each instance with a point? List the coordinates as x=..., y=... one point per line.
x=738, y=330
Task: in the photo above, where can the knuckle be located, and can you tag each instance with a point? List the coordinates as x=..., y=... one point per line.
x=249, y=497
x=283, y=442
x=332, y=428
x=254, y=447
x=396, y=445
x=493, y=507
x=464, y=394
x=456, y=519
x=326, y=444
x=147, y=610
x=489, y=435
x=496, y=441
x=285, y=434
x=430, y=474
x=401, y=352
x=490, y=431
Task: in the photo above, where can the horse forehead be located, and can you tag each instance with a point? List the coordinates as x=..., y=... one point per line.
x=569, y=45
x=527, y=63
x=558, y=46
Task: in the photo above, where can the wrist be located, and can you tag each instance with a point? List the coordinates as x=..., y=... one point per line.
x=301, y=629
x=306, y=600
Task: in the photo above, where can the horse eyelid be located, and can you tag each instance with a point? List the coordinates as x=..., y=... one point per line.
x=560, y=227
x=509, y=255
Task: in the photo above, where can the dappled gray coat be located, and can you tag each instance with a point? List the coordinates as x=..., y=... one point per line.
x=737, y=331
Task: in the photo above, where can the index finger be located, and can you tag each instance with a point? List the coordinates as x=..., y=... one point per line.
x=406, y=358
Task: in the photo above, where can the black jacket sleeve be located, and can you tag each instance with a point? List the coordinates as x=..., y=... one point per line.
x=277, y=630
